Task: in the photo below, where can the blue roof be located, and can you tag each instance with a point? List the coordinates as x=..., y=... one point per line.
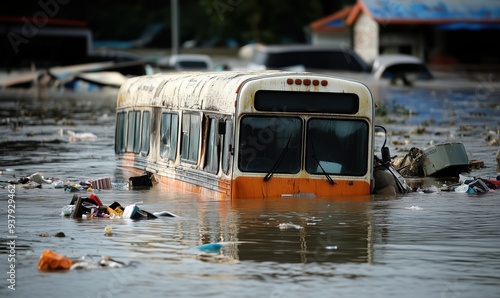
x=335, y=23
x=468, y=26
x=432, y=10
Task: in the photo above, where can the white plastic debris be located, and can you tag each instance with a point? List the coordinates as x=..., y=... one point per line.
x=284, y=226
x=414, y=208
x=463, y=188
x=76, y=137
x=67, y=210
x=108, y=230
x=38, y=178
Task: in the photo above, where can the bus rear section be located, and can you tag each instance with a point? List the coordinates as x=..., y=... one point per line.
x=303, y=135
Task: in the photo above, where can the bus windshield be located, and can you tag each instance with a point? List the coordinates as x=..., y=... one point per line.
x=337, y=147
x=270, y=144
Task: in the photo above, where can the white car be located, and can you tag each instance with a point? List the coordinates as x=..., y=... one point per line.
x=305, y=57
x=395, y=67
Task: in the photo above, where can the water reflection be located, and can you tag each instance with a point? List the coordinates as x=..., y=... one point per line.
x=304, y=230
x=284, y=230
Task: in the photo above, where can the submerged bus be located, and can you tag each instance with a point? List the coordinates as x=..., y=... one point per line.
x=248, y=134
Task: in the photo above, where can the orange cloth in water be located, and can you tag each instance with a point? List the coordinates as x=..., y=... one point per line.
x=50, y=260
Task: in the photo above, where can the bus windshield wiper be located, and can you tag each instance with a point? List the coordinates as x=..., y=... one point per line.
x=321, y=167
x=277, y=163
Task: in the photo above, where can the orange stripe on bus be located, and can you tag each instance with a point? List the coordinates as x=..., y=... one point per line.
x=256, y=187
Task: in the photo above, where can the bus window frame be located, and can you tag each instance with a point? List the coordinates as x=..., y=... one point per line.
x=212, y=147
x=133, y=131
x=121, y=132
x=145, y=135
x=172, y=141
x=193, y=133
x=227, y=146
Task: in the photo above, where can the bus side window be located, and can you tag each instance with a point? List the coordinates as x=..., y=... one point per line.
x=134, y=131
x=168, y=133
x=146, y=124
x=120, y=133
x=227, y=145
x=190, y=141
x=212, y=147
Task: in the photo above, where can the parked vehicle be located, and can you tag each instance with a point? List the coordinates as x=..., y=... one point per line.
x=187, y=62
x=306, y=58
x=400, y=68
x=248, y=134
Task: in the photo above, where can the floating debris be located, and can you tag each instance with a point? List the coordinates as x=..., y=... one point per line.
x=142, y=181
x=441, y=160
x=134, y=212
x=38, y=178
x=430, y=189
x=165, y=214
x=79, y=137
x=210, y=247
x=284, y=226
x=108, y=231
x=477, y=186
x=51, y=261
x=416, y=208
x=92, y=207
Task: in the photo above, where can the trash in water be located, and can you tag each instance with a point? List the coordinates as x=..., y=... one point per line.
x=51, y=261
x=474, y=185
x=414, y=208
x=87, y=262
x=478, y=186
x=58, y=184
x=67, y=210
x=441, y=160
x=430, y=189
x=111, y=263
x=38, y=178
x=463, y=188
x=30, y=185
x=210, y=247
x=134, y=212
x=73, y=187
x=284, y=226
x=92, y=207
x=108, y=231
x=165, y=214
x=79, y=137
x=101, y=183
x=145, y=180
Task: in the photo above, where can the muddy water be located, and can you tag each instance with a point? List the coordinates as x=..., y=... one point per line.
x=438, y=244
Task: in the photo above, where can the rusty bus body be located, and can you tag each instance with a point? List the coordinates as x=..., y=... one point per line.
x=248, y=134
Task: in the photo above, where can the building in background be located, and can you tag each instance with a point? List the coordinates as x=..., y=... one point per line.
x=439, y=32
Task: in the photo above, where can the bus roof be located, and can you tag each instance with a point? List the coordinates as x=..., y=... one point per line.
x=192, y=90
x=185, y=89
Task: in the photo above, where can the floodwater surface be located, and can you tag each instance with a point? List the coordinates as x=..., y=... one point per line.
x=440, y=244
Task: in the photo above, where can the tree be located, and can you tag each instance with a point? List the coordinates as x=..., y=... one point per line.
x=266, y=21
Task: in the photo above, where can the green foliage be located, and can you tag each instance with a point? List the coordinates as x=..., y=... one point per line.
x=263, y=21
x=212, y=22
